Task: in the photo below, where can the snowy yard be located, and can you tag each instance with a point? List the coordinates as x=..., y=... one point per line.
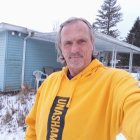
x=13, y=110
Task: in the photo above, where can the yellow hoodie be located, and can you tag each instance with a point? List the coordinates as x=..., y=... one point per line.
x=96, y=104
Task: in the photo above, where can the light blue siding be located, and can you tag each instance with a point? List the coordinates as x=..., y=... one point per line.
x=39, y=54
x=2, y=58
x=13, y=62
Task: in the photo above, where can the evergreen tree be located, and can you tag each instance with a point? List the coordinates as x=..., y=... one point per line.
x=108, y=17
x=133, y=37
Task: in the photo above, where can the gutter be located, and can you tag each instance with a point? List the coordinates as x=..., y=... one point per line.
x=116, y=41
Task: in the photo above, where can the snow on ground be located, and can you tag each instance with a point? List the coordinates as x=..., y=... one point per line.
x=13, y=110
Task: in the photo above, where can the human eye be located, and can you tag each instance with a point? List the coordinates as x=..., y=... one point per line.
x=67, y=43
x=81, y=41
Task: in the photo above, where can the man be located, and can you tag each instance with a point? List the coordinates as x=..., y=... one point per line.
x=86, y=100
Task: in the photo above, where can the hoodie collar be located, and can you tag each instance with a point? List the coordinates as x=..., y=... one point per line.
x=95, y=63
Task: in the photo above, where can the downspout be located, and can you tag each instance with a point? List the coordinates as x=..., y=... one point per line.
x=23, y=59
x=130, y=61
x=113, y=53
x=115, y=60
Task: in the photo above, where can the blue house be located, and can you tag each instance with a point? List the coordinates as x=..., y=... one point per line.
x=23, y=51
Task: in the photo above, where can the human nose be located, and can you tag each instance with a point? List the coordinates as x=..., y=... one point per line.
x=74, y=48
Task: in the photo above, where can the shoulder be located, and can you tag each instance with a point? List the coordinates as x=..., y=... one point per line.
x=115, y=74
x=52, y=79
x=119, y=72
x=54, y=76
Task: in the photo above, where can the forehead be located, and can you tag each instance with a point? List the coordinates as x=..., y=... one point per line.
x=74, y=28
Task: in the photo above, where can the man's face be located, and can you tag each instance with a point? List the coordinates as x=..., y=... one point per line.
x=76, y=46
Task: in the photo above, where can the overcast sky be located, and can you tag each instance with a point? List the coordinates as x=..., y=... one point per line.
x=42, y=15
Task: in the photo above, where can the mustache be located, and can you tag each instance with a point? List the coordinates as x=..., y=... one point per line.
x=75, y=55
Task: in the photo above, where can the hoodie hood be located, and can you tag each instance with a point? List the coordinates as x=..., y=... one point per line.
x=92, y=67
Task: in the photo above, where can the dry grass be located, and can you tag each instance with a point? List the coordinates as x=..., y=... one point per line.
x=6, y=118
x=14, y=109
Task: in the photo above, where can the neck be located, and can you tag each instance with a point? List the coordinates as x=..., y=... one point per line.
x=74, y=72
x=69, y=75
